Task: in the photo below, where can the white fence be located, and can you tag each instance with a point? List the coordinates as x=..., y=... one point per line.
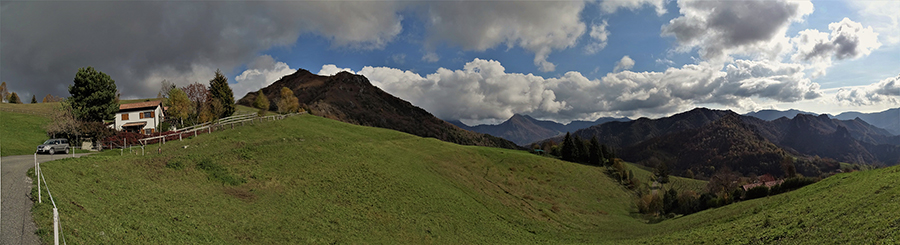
x=221, y=124
x=56, y=224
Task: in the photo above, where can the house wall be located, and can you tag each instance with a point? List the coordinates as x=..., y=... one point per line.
x=134, y=116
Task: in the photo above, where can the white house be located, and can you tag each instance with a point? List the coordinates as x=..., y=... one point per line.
x=141, y=117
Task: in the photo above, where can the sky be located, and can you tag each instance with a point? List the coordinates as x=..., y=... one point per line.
x=480, y=61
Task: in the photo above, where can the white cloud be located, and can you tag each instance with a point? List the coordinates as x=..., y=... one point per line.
x=611, y=6
x=665, y=62
x=886, y=91
x=431, y=57
x=261, y=72
x=483, y=90
x=536, y=26
x=722, y=28
x=330, y=70
x=883, y=17
x=848, y=40
x=599, y=36
x=624, y=64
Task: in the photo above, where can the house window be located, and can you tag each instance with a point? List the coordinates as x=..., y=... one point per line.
x=148, y=114
x=124, y=116
x=148, y=131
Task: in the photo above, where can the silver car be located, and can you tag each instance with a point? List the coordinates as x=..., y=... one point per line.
x=52, y=146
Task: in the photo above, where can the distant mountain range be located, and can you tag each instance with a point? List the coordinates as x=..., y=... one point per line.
x=702, y=140
x=353, y=99
x=888, y=119
x=524, y=129
x=770, y=115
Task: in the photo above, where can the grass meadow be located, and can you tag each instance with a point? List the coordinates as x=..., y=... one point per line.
x=307, y=179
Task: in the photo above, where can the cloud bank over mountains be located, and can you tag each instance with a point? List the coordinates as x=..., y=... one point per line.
x=484, y=90
x=746, y=56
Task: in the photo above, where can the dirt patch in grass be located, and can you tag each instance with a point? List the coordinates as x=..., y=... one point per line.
x=241, y=193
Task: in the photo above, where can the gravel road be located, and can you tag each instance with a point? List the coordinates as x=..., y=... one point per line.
x=16, y=224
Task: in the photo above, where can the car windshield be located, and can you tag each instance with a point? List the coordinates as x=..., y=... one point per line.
x=48, y=142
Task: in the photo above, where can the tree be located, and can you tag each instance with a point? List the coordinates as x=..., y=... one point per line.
x=164, y=89
x=568, y=148
x=221, y=92
x=787, y=164
x=595, y=158
x=670, y=201
x=14, y=98
x=198, y=94
x=662, y=173
x=262, y=102
x=580, y=149
x=607, y=153
x=62, y=122
x=722, y=182
x=93, y=95
x=4, y=92
x=50, y=98
x=179, y=105
x=288, y=102
x=33, y=99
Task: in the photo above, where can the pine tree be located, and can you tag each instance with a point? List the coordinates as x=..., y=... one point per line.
x=579, y=149
x=33, y=99
x=220, y=91
x=568, y=148
x=595, y=152
x=662, y=173
x=93, y=95
x=14, y=98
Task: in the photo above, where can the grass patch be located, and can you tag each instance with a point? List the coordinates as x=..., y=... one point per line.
x=20, y=133
x=216, y=172
x=314, y=180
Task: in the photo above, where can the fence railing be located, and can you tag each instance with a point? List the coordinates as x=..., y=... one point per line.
x=221, y=124
x=57, y=226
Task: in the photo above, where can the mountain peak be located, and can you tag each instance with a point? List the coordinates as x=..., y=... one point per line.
x=353, y=99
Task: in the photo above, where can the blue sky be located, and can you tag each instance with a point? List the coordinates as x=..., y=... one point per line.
x=482, y=61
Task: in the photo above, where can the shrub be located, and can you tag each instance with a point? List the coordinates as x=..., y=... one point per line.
x=120, y=139
x=757, y=192
x=792, y=184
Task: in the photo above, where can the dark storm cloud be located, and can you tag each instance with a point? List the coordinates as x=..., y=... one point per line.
x=139, y=43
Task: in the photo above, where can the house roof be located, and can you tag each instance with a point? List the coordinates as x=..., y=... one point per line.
x=134, y=124
x=139, y=105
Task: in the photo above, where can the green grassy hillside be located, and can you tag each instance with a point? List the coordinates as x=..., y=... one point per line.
x=309, y=179
x=851, y=208
x=20, y=133
x=312, y=180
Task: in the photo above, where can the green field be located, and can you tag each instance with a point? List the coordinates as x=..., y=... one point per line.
x=312, y=180
x=21, y=133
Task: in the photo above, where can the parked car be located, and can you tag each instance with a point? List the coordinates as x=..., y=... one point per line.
x=52, y=146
